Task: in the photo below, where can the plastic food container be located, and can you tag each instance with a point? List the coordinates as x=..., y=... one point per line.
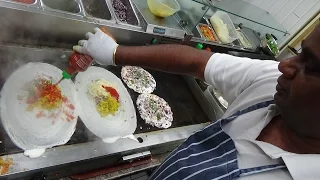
x=223, y=27
x=71, y=6
x=163, y=8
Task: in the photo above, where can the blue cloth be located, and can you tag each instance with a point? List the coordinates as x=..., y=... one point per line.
x=209, y=154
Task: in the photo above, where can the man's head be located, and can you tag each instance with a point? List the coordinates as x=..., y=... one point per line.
x=298, y=88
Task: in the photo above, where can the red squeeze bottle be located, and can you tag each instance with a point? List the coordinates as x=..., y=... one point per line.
x=77, y=63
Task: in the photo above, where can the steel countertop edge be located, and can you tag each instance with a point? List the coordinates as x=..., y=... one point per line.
x=78, y=152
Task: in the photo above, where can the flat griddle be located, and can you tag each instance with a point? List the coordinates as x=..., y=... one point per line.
x=171, y=87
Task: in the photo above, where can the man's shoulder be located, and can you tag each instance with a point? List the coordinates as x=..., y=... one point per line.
x=262, y=89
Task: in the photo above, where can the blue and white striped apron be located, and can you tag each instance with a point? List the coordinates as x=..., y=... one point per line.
x=209, y=154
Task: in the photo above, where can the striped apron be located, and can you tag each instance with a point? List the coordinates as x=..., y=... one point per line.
x=209, y=154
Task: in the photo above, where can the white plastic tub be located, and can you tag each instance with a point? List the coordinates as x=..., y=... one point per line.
x=163, y=8
x=224, y=27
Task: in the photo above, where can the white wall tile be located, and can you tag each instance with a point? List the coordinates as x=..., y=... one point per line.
x=254, y=2
x=265, y=5
x=287, y=9
x=305, y=18
x=290, y=21
x=277, y=6
x=303, y=7
x=268, y=20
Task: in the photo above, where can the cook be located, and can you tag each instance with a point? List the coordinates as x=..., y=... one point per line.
x=271, y=128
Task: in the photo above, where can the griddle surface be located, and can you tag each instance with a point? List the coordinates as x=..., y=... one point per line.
x=173, y=88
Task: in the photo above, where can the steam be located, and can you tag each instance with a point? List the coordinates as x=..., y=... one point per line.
x=36, y=29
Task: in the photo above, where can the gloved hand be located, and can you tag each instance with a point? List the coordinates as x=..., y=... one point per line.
x=100, y=46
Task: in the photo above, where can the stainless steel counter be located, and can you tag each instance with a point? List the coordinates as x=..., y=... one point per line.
x=157, y=141
x=24, y=166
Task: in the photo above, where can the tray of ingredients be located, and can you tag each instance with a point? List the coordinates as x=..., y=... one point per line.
x=125, y=12
x=244, y=40
x=97, y=8
x=206, y=32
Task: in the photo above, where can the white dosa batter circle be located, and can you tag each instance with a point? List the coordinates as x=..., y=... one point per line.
x=32, y=134
x=128, y=77
x=111, y=127
x=150, y=115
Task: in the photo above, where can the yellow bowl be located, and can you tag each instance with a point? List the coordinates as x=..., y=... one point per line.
x=163, y=8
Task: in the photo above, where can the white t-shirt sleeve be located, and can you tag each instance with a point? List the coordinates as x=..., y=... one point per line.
x=232, y=75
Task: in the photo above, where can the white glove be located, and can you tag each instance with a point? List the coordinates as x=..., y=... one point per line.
x=99, y=46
